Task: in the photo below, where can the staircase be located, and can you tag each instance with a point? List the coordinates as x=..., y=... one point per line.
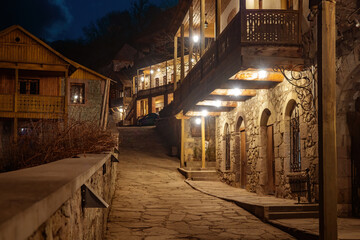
x=287, y=212
x=193, y=171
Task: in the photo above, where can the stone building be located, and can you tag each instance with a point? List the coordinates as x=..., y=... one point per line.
x=252, y=88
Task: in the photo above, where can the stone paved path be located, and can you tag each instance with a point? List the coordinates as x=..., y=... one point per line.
x=152, y=201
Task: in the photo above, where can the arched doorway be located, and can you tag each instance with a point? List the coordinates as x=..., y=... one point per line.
x=353, y=120
x=267, y=135
x=241, y=160
x=227, y=147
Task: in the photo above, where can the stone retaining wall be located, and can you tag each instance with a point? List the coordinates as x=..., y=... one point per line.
x=45, y=202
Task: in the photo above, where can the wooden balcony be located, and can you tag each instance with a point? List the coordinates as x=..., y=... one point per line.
x=32, y=106
x=156, y=91
x=254, y=39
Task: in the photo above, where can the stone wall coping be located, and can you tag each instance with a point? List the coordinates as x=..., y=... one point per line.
x=28, y=197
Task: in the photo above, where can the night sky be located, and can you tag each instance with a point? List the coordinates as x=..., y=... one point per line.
x=58, y=19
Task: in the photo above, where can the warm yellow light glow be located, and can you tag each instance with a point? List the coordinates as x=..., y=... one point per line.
x=262, y=74
x=204, y=113
x=198, y=121
x=142, y=79
x=235, y=92
x=196, y=38
x=121, y=110
x=151, y=71
x=217, y=103
x=192, y=60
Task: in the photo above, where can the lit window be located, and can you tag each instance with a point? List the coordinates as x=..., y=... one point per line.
x=77, y=93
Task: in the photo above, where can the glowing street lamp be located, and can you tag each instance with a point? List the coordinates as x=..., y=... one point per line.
x=217, y=103
x=204, y=113
x=198, y=121
x=151, y=71
x=196, y=38
x=235, y=92
x=262, y=74
x=142, y=79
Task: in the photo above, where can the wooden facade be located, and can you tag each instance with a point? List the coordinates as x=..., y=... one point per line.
x=34, y=78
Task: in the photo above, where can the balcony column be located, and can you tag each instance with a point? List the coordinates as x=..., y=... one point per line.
x=133, y=87
x=182, y=49
x=202, y=142
x=66, y=102
x=175, y=60
x=166, y=99
x=150, y=78
x=166, y=73
x=202, y=27
x=138, y=81
x=191, y=33
x=327, y=120
x=218, y=18
x=15, y=126
x=182, y=152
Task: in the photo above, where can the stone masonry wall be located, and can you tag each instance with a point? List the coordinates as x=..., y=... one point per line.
x=91, y=110
x=71, y=221
x=278, y=101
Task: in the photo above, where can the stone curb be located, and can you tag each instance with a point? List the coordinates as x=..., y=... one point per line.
x=298, y=233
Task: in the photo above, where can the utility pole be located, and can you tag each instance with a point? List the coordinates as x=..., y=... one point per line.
x=327, y=120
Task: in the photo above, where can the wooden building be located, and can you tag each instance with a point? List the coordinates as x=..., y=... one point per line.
x=36, y=82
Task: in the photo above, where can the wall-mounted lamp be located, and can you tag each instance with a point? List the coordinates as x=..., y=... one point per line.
x=198, y=121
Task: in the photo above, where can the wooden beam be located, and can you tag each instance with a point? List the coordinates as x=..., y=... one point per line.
x=327, y=121
x=203, y=142
x=217, y=18
x=227, y=98
x=15, y=130
x=249, y=84
x=199, y=108
x=34, y=66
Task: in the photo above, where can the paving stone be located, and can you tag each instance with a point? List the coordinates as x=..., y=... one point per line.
x=152, y=201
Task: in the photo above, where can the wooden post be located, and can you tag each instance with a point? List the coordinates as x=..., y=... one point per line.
x=182, y=156
x=182, y=50
x=218, y=18
x=150, y=78
x=175, y=60
x=191, y=33
x=66, y=101
x=138, y=80
x=166, y=73
x=202, y=27
x=327, y=120
x=15, y=127
x=133, y=86
x=16, y=89
x=107, y=104
x=202, y=142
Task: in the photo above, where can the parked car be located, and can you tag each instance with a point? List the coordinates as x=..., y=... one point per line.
x=148, y=120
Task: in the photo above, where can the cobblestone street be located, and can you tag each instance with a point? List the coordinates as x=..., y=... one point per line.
x=152, y=201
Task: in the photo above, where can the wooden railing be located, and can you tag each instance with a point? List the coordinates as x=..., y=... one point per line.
x=32, y=103
x=40, y=104
x=6, y=103
x=248, y=27
x=156, y=90
x=270, y=26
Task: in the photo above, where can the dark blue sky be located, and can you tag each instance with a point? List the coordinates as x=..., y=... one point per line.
x=60, y=19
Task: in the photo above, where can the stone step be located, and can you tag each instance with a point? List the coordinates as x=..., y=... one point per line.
x=289, y=215
x=199, y=174
x=197, y=164
x=296, y=208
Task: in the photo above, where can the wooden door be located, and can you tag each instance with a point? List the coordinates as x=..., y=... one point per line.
x=353, y=119
x=243, y=160
x=270, y=160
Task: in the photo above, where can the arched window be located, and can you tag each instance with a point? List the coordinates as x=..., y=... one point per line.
x=295, y=147
x=227, y=147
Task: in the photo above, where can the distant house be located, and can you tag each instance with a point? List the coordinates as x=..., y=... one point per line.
x=36, y=82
